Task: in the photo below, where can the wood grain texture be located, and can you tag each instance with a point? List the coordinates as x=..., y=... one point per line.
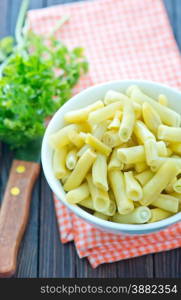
x=41, y=253
x=14, y=212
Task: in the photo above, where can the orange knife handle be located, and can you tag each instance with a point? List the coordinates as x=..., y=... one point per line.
x=14, y=212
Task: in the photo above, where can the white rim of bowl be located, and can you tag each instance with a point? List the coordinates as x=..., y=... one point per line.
x=81, y=212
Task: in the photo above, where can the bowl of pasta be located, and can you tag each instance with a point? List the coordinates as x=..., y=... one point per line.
x=112, y=155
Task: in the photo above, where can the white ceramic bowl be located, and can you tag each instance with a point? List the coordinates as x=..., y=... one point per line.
x=83, y=99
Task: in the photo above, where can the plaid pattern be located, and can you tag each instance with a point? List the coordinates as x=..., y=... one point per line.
x=123, y=39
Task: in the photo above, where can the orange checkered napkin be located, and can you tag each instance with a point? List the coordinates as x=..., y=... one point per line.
x=123, y=39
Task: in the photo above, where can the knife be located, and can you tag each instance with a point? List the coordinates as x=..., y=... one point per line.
x=15, y=205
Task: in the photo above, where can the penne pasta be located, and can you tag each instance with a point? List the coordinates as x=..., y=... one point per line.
x=159, y=182
x=99, y=130
x=100, y=215
x=142, y=132
x=169, y=134
x=139, y=215
x=121, y=158
x=167, y=115
x=151, y=151
x=97, y=145
x=111, y=138
x=115, y=124
x=100, y=198
x=78, y=194
x=71, y=159
x=113, y=96
x=117, y=183
x=133, y=188
x=88, y=203
x=59, y=167
x=167, y=202
x=81, y=115
x=144, y=177
x=104, y=113
x=81, y=169
x=151, y=117
x=127, y=123
x=162, y=99
x=136, y=154
x=158, y=214
x=177, y=186
x=169, y=189
x=83, y=149
x=140, y=167
x=99, y=172
x=60, y=138
x=176, y=148
x=76, y=138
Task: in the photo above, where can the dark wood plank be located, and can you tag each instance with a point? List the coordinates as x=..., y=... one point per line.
x=136, y=267
x=55, y=259
x=168, y=264
x=4, y=12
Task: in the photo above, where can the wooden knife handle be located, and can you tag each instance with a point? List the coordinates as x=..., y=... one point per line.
x=14, y=212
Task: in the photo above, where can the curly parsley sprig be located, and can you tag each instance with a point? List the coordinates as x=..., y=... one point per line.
x=38, y=77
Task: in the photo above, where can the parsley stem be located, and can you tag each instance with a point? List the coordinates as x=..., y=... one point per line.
x=59, y=24
x=20, y=22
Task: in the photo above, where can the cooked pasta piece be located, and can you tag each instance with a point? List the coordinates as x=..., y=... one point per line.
x=176, y=148
x=100, y=215
x=140, y=167
x=144, y=177
x=151, y=151
x=139, y=215
x=142, y=132
x=65, y=177
x=127, y=167
x=169, y=134
x=81, y=169
x=78, y=194
x=158, y=214
x=104, y=113
x=100, y=198
x=133, y=189
x=161, y=160
x=115, y=124
x=97, y=144
x=99, y=130
x=162, y=99
x=159, y=182
x=59, y=167
x=111, y=138
x=117, y=183
x=99, y=172
x=113, y=96
x=167, y=202
x=115, y=163
x=169, y=189
x=81, y=115
x=60, y=138
x=128, y=121
x=76, y=138
x=136, y=154
x=177, y=186
x=151, y=117
x=169, y=152
x=167, y=115
x=88, y=203
x=82, y=150
x=71, y=159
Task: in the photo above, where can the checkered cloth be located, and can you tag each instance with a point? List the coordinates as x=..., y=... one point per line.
x=123, y=39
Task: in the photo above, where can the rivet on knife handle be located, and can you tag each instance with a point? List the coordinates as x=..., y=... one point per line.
x=14, y=212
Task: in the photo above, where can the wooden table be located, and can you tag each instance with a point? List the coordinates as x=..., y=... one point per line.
x=41, y=253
